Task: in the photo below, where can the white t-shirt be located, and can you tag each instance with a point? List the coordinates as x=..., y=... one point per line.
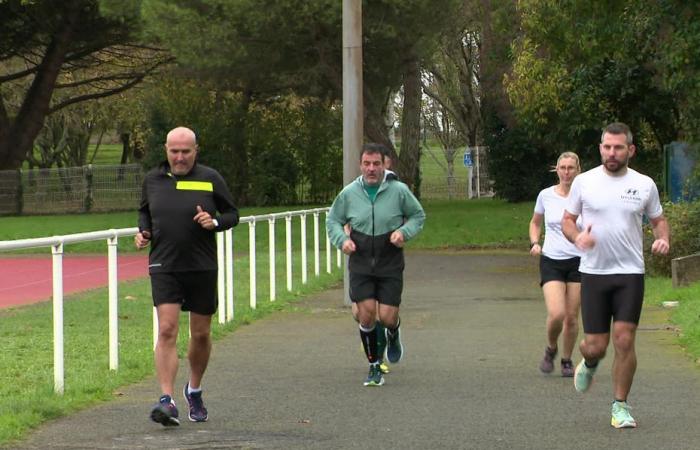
x=551, y=205
x=614, y=207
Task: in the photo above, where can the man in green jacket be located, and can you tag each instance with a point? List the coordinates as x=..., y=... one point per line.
x=383, y=214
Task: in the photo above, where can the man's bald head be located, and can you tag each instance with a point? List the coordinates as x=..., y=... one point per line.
x=181, y=135
x=181, y=150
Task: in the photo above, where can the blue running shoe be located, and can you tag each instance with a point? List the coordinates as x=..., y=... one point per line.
x=394, y=349
x=374, y=377
x=165, y=412
x=198, y=413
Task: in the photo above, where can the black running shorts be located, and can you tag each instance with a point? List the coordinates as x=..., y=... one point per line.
x=386, y=289
x=195, y=291
x=603, y=297
x=565, y=270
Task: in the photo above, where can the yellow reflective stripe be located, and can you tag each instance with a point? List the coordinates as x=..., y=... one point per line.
x=195, y=186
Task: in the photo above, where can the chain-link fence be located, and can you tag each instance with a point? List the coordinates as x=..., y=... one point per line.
x=468, y=182
x=70, y=190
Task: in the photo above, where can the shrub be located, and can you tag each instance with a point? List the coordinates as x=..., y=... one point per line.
x=518, y=167
x=684, y=221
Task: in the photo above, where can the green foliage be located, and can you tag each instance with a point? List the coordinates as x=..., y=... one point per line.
x=684, y=221
x=518, y=166
x=579, y=65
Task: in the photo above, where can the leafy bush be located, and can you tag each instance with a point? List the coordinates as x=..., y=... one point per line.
x=684, y=221
x=518, y=167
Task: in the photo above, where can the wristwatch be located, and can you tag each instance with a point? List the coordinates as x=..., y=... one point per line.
x=532, y=244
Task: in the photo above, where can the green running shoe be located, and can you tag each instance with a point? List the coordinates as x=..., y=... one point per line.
x=374, y=377
x=621, y=417
x=583, y=376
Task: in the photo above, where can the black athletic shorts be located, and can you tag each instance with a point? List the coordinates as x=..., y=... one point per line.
x=195, y=291
x=603, y=297
x=386, y=289
x=565, y=270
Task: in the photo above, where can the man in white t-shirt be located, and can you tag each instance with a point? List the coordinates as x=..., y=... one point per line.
x=612, y=200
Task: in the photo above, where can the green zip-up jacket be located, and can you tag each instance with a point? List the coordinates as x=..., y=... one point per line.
x=394, y=208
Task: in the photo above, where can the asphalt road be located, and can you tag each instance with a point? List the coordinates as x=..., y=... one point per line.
x=473, y=328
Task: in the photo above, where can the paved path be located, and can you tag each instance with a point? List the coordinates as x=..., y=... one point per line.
x=473, y=327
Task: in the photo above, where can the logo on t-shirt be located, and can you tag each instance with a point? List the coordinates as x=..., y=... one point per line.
x=631, y=195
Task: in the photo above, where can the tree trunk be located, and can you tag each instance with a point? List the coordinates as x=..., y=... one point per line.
x=18, y=139
x=409, y=158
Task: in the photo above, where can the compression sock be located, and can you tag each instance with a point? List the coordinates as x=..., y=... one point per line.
x=369, y=342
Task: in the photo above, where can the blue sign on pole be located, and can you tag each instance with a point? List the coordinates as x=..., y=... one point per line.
x=468, y=159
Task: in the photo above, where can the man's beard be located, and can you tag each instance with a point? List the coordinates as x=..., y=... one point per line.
x=613, y=165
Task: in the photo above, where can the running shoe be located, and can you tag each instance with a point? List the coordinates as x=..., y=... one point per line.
x=165, y=412
x=547, y=363
x=383, y=367
x=394, y=349
x=374, y=377
x=198, y=413
x=583, y=376
x=621, y=417
x=567, y=368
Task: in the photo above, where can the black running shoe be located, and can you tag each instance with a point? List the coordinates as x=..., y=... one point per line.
x=198, y=413
x=165, y=412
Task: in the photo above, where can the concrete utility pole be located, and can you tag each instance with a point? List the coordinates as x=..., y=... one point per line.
x=352, y=99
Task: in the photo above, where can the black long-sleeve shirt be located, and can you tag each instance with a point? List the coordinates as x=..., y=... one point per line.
x=168, y=205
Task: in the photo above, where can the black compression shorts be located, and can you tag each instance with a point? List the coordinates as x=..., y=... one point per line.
x=603, y=297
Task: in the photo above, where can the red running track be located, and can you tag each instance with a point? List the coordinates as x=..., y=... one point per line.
x=25, y=280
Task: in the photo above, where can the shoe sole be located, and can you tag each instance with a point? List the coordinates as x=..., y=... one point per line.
x=184, y=393
x=372, y=383
x=163, y=418
x=623, y=424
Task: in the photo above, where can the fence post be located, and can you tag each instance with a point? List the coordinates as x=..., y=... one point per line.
x=113, y=303
x=220, y=277
x=317, y=246
x=328, y=249
x=288, y=237
x=87, y=205
x=19, y=193
x=273, y=275
x=252, y=262
x=304, y=274
x=229, y=275
x=58, y=371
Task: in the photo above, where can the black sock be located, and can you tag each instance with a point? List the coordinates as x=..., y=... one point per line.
x=590, y=365
x=369, y=343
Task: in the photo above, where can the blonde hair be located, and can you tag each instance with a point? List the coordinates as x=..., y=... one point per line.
x=571, y=155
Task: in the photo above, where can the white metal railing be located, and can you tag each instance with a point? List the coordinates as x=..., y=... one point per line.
x=225, y=275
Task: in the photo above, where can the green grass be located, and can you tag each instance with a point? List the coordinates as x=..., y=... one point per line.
x=686, y=316
x=479, y=223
